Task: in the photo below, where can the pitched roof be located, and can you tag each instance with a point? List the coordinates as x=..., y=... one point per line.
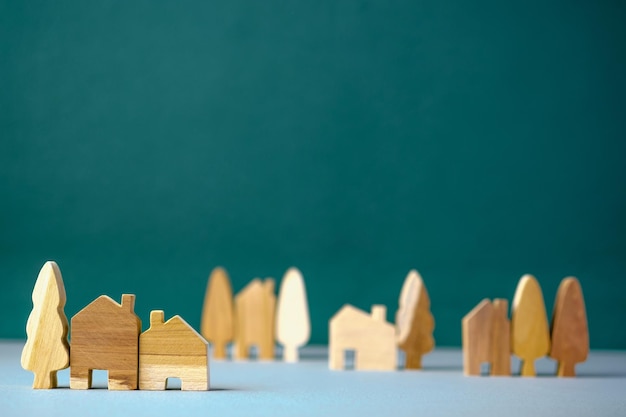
x=177, y=322
x=350, y=312
x=104, y=301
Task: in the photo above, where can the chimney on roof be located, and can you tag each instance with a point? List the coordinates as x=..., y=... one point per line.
x=157, y=317
x=379, y=312
x=128, y=302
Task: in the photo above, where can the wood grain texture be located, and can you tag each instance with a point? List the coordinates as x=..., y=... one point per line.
x=266, y=351
x=172, y=349
x=414, y=321
x=254, y=319
x=500, y=357
x=105, y=335
x=47, y=350
x=569, y=331
x=530, y=336
x=476, y=328
x=217, y=322
x=293, y=324
x=371, y=337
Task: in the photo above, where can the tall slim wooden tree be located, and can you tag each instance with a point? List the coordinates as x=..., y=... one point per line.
x=414, y=321
x=47, y=350
x=217, y=323
x=293, y=325
x=530, y=336
x=570, y=334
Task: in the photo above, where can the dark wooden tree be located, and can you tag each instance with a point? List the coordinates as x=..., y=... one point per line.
x=570, y=334
x=414, y=321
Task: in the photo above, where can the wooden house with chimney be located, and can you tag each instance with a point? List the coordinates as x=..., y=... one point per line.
x=371, y=337
x=172, y=349
x=105, y=336
x=255, y=307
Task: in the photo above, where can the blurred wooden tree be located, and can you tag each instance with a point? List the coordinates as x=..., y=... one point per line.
x=217, y=323
x=47, y=350
x=293, y=324
x=530, y=336
x=570, y=334
x=414, y=321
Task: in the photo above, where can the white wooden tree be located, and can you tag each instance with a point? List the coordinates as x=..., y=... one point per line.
x=293, y=325
x=47, y=350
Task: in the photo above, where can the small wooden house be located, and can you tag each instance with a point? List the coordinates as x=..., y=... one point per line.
x=254, y=319
x=476, y=328
x=486, y=338
x=371, y=338
x=105, y=336
x=172, y=349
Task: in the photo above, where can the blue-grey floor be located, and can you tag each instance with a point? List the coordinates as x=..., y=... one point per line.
x=310, y=389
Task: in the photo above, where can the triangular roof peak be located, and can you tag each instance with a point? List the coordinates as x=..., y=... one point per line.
x=377, y=314
x=157, y=319
x=255, y=283
x=128, y=303
x=350, y=310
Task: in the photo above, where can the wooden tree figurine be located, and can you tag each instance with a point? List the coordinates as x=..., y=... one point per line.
x=570, y=335
x=47, y=350
x=293, y=325
x=530, y=337
x=217, y=323
x=414, y=321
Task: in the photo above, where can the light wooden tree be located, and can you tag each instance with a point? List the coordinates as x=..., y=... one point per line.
x=570, y=334
x=217, y=324
x=414, y=321
x=47, y=350
x=530, y=336
x=293, y=324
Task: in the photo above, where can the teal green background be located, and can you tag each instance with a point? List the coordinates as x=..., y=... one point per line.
x=144, y=143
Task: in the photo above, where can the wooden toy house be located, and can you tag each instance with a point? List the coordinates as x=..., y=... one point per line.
x=105, y=336
x=371, y=338
x=172, y=349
